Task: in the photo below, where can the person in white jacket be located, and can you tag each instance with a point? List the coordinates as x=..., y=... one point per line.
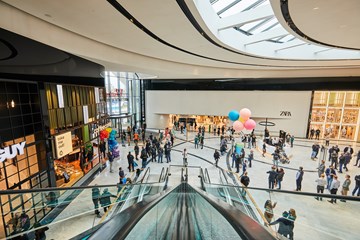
x=335, y=184
x=321, y=183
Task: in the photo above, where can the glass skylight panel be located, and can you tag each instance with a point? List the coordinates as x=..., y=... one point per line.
x=265, y=26
x=288, y=38
x=221, y=4
x=248, y=26
x=239, y=7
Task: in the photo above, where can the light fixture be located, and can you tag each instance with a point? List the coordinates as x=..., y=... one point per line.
x=315, y=8
x=12, y=104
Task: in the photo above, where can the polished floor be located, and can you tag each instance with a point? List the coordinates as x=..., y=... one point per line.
x=315, y=219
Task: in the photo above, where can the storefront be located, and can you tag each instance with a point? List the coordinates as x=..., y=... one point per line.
x=75, y=112
x=336, y=114
x=22, y=151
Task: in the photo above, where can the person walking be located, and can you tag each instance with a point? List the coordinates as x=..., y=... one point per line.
x=345, y=187
x=284, y=224
x=357, y=159
x=95, y=198
x=160, y=154
x=269, y=211
x=341, y=162
x=237, y=163
x=321, y=183
x=102, y=148
x=272, y=177
x=167, y=153
x=185, y=156
x=196, y=141
x=299, y=178
x=279, y=177
x=292, y=141
x=245, y=180
x=357, y=186
x=136, y=150
x=143, y=157
x=330, y=173
x=202, y=142
x=263, y=149
x=276, y=158
x=111, y=160
x=250, y=158
x=105, y=199
x=130, y=159
x=292, y=218
x=335, y=184
x=216, y=157
x=321, y=168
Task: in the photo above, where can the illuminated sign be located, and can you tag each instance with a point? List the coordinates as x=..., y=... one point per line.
x=11, y=151
x=63, y=144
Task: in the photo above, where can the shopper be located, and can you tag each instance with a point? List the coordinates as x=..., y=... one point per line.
x=105, y=199
x=196, y=141
x=130, y=159
x=269, y=212
x=284, y=224
x=160, y=154
x=345, y=187
x=185, y=156
x=321, y=168
x=279, y=177
x=216, y=157
x=95, y=199
x=299, y=178
x=264, y=149
x=40, y=231
x=335, y=184
x=136, y=150
x=250, y=158
x=357, y=186
x=245, y=180
x=357, y=159
x=292, y=140
x=167, y=153
x=292, y=217
x=330, y=173
x=272, y=177
x=321, y=183
x=111, y=160
x=102, y=148
x=276, y=158
x=143, y=156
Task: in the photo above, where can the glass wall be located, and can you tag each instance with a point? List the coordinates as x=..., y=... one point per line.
x=336, y=114
x=123, y=97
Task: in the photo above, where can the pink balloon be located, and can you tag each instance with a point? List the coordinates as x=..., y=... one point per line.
x=238, y=126
x=245, y=113
x=250, y=124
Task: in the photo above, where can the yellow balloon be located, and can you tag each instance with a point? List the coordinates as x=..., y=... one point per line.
x=108, y=130
x=241, y=120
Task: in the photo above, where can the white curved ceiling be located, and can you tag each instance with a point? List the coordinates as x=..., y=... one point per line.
x=95, y=30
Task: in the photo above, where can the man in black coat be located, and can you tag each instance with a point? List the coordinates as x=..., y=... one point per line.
x=272, y=177
x=130, y=159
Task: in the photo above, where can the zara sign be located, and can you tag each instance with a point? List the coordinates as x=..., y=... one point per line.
x=10, y=152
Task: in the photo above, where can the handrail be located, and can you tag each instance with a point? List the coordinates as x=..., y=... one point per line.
x=221, y=173
x=207, y=175
x=162, y=171
x=147, y=171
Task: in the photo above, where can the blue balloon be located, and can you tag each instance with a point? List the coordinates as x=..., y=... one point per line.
x=234, y=115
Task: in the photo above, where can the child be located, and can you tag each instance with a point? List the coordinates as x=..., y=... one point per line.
x=264, y=149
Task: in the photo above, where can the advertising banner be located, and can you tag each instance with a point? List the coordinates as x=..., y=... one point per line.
x=63, y=144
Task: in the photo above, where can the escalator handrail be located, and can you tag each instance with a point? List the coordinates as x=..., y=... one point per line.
x=161, y=174
x=221, y=173
x=147, y=173
x=120, y=225
x=207, y=175
x=244, y=225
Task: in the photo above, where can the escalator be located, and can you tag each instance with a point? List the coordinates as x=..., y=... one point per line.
x=183, y=212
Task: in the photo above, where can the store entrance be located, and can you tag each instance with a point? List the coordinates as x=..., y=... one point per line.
x=209, y=122
x=121, y=122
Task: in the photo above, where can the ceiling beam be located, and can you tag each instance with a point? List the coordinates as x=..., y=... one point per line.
x=292, y=46
x=246, y=17
x=263, y=36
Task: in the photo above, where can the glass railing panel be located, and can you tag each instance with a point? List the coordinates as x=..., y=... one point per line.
x=65, y=207
x=315, y=214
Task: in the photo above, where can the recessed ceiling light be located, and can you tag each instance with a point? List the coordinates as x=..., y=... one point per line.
x=315, y=8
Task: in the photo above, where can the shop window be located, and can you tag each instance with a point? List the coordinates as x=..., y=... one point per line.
x=24, y=174
x=348, y=132
x=26, y=109
x=352, y=99
x=332, y=130
x=22, y=164
x=16, y=121
x=34, y=99
x=33, y=88
x=336, y=99
x=36, y=118
x=4, y=123
x=24, y=98
x=16, y=110
x=35, y=108
x=334, y=115
x=29, y=129
x=14, y=178
x=350, y=116
x=12, y=87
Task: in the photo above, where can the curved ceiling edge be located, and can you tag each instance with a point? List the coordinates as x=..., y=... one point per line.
x=284, y=5
x=126, y=14
x=13, y=50
x=197, y=26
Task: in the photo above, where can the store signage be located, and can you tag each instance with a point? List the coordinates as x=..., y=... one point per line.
x=63, y=144
x=97, y=95
x=86, y=114
x=10, y=152
x=60, y=95
x=285, y=114
x=102, y=127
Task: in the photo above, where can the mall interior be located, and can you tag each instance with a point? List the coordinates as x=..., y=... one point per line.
x=117, y=119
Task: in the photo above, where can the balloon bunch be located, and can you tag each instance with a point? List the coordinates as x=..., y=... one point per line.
x=242, y=120
x=104, y=134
